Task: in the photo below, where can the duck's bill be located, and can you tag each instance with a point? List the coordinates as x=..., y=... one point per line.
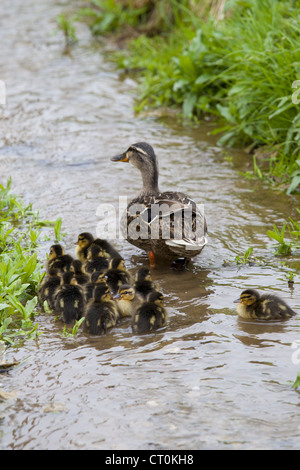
x=237, y=301
x=120, y=158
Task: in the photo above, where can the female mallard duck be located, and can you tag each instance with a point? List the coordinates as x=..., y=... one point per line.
x=168, y=224
x=150, y=315
x=57, y=259
x=101, y=312
x=266, y=307
x=69, y=298
x=96, y=259
x=128, y=300
x=143, y=282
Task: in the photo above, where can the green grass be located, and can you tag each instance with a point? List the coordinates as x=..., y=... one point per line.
x=20, y=269
x=239, y=70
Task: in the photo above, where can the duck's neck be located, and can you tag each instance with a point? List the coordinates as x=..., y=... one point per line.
x=150, y=181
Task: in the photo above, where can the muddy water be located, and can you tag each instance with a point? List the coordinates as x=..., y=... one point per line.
x=208, y=380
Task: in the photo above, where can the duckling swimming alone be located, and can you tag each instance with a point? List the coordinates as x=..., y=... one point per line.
x=128, y=300
x=69, y=299
x=96, y=260
x=58, y=259
x=143, y=282
x=150, y=315
x=48, y=287
x=79, y=274
x=266, y=307
x=101, y=312
x=117, y=275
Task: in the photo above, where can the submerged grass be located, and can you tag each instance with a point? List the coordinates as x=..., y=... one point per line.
x=242, y=69
x=20, y=269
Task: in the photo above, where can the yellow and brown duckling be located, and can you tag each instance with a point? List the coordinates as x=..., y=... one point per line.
x=251, y=304
x=128, y=300
x=101, y=312
x=84, y=241
x=97, y=277
x=117, y=275
x=69, y=298
x=143, y=282
x=57, y=259
x=97, y=260
x=163, y=212
x=48, y=287
x=150, y=315
x=107, y=247
x=78, y=270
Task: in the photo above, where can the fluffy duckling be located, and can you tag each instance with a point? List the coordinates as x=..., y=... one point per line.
x=69, y=299
x=83, y=243
x=128, y=300
x=48, y=287
x=79, y=274
x=101, y=312
x=150, y=315
x=266, y=307
x=143, y=282
x=96, y=278
x=117, y=275
x=57, y=259
x=107, y=248
x=96, y=260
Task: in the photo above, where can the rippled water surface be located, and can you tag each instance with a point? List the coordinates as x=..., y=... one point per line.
x=208, y=380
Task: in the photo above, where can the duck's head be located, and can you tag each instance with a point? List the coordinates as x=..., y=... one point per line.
x=94, y=251
x=76, y=266
x=248, y=297
x=55, y=251
x=98, y=277
x=102, y=293
x=117, y=263
x=157, y=298
x=126, y=292
x=142, y=156
x=143, y=274
x=68, y=278
x=84, y=240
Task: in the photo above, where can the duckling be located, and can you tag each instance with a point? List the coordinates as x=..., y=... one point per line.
x=107, y=248
x=97, y=277
x=69, y=299
x=48, y=287
x=150, y=315
x=83, y=243
x=117, y=275
x=58, y=259
x=266, y=307
x=77, y=269
x=96, y=260
x=143, y=282
x=128, y=300
x=101, y=312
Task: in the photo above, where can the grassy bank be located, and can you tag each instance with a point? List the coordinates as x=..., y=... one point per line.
x=20, y=270
x=235, y=61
